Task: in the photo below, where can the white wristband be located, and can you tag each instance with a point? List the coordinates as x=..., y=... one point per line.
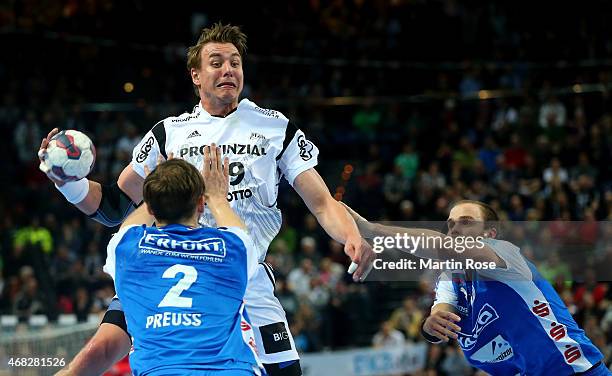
x=75, y=191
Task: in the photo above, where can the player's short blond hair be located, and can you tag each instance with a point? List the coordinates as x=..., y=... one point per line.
x=217, y=33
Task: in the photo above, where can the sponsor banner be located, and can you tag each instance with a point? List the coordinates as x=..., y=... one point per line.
x=366, y=362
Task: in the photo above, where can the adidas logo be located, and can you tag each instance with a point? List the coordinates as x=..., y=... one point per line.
x=194, y=134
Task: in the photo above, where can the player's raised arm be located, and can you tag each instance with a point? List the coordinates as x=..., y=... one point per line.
x=108, y=205
x=433, y=249
x=296, y=161
x=334, y=219
x=216, y=182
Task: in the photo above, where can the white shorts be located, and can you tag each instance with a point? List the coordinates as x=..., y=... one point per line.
x=274, y=340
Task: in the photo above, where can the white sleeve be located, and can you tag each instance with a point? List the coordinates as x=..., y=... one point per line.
x=298, y=155
x=252, y=260
x=445, y=293
x=148, y=149
x=111, y=258
x=516, y=266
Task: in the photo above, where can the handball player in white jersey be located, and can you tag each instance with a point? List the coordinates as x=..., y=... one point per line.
x=263, y=147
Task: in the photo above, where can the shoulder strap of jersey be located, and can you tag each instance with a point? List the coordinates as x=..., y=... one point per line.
x=159, y=132
x=289, y=134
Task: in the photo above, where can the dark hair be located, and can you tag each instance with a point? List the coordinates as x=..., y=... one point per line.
x=172, y=190
x=217, y=33
x=490, y=215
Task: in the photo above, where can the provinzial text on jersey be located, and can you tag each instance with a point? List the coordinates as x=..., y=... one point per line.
x=237, y=149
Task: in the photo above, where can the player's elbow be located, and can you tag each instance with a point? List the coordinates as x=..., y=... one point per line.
x=94, y=359
x=99, y=355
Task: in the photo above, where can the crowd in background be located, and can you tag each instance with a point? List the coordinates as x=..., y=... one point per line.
x=539, y=151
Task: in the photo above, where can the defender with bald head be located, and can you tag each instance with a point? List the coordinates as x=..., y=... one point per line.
x=507, y=320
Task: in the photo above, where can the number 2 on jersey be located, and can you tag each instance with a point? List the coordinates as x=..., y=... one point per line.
x=173, y=298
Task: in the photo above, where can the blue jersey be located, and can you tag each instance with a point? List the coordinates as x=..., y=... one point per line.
x=512, y=320
x=182, y=292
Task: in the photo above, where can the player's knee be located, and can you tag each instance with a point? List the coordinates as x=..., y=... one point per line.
x=290, y=368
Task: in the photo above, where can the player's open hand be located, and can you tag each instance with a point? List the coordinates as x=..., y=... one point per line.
x=441, y=324
x=42, y=157
x=362, y=257
x=216, y=174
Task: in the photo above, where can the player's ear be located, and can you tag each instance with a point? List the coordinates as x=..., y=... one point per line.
x=491, y=233
x=201, y=203
x=195, y=76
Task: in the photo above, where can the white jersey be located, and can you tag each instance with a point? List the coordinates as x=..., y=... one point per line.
x=262, y=146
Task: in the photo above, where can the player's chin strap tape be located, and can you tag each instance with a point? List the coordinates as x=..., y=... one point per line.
x=114, y=206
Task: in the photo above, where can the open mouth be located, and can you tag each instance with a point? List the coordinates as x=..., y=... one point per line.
x=226, y=85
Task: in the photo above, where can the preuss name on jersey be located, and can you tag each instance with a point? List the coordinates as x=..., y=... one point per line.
x=237, y=149
x=211, y=247
x=166, y=319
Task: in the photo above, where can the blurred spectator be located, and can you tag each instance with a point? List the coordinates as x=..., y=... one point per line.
x=552, y=113
x=465, y=156
x=34, y=235
x=330, y=272
x=554, y=267
x=488, y=155
x=408, y=161
x=515, y=156
x=128, y=141
x=318, y=296
x=555, y=173
x=288, y=234
x=432, y=178
x=586, y=195
x=27, y=137
x=395, y=186
x=308, y=250
x=82, y=304
x=583, y=168
x=299, y=279
x=366, y=120
x=504, y=117
x=388, y=336
x=408, y=319
x=28, y=301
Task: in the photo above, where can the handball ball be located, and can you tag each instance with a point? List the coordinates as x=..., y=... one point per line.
x=70, y=155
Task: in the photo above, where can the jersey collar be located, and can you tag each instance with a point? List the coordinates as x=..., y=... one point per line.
x=176, y=226
x=197, y=109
